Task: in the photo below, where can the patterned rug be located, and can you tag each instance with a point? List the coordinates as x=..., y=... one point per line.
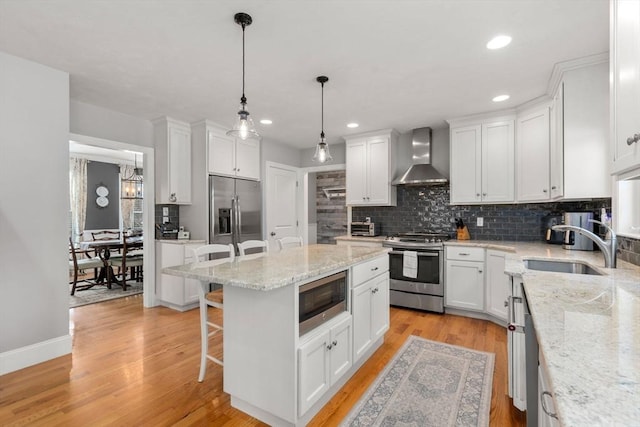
x=101, y=293
x=428, y=383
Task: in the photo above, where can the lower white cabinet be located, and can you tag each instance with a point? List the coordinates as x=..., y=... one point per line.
x=464, y=287
x=546, y=408
x=370, y=307
x=322, y=361
x=497, y=285
x=173, y=291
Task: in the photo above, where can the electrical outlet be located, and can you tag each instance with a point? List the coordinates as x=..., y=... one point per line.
x=165, y=211
x=480, y=221
x=165, y=219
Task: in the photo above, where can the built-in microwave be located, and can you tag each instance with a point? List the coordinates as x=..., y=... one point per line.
x=321, y=300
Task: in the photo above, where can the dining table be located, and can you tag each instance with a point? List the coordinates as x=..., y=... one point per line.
x=103, y=250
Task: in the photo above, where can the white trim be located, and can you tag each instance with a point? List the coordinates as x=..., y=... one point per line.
x=33, y=354
x=149, y=297
x=562, y=67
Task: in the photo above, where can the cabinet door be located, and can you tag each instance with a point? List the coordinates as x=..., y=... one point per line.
x=380, y=306
x=533, y=156
x=356, y=172
x=314, y=379
x=248, y=159
x=464, y=287
x=545, y=401
x=341, y=354
x=222, y=157
x=556, y=144
x=362, y=314
x=497, y=162
x=179, y=152
x=497, y=284
x=378, y=180
x=466, y=162
x=625, y=67
x=170, y=288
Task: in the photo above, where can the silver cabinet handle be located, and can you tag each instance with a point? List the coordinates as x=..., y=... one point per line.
x=544, y=405
x=329, y=347
x=554, y=187
x=634, y=138
x=273, y=233
x=464, y=253
x=506, y=303
x=374, y=268
x=172, y=197
x=335, y=343
x=479, y=271
x=544, y=190
x=477, y=194
x=484, y=194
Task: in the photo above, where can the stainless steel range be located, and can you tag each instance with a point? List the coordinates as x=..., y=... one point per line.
x=416, y=269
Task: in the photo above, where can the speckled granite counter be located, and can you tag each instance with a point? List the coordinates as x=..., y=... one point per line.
x=374, y=239
x=265, y=272
x=588, y=329
x=181, y=241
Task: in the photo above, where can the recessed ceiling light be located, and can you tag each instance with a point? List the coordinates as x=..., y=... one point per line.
x=498, y=42
x=266, y=121
x=500, y=98
x=352, y=125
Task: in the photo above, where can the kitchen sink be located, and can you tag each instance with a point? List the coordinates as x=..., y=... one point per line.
x=573, y=267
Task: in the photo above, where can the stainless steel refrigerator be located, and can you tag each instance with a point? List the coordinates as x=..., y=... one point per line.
x=235, y=210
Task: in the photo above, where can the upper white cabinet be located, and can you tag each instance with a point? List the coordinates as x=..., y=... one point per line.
x=625, y=84
x=232, y=157
x=370, y=168
x=533, y=154
x=482, y=161
x=173, y=161
x=556, y=144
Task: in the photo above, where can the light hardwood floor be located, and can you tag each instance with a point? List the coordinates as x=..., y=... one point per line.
x=136, y=366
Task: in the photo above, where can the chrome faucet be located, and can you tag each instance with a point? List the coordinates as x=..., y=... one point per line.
x=609, y=247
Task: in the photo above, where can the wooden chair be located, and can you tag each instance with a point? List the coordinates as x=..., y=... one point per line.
x=263, y=245
x=131, y=258
x=209, y=299
x=76, y=264
x=289, y=242
x=105, y=235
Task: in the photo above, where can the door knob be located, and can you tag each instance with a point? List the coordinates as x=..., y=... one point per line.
x=273, y=233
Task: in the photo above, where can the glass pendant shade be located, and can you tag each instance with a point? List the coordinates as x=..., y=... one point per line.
x=322, y=154
x=244, y=127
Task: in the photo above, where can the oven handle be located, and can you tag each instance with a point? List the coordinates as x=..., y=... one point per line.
x=419, y=253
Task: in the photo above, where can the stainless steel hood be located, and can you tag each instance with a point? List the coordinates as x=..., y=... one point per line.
x=421, y=172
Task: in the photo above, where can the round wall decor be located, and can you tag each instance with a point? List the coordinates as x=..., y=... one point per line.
x=102, y=193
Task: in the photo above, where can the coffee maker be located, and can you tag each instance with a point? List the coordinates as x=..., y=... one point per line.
x=553, y=237
x=573, y=240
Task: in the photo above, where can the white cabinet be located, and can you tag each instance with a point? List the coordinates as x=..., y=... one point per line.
x=497, y=285
x=516, y=348
x=533, y=145
x=482, y=161
x=625, y=84
x=546, y=406
x=322, y=361
x=173, y=161
x=465, y=278
x=556, y=144
x=369, y=303
x=370, y=168
x=173, y=291
x=233, y=157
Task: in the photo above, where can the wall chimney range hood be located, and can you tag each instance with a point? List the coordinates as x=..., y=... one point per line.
x=421, y=172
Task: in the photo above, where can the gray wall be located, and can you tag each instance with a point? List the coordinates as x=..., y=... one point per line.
x=106, y=174
x=271, y=151
x=34, y=296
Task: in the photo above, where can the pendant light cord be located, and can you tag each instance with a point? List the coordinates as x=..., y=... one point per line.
x=243, y=100
x=322, y=112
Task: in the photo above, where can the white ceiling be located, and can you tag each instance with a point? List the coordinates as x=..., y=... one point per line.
x=395, y=63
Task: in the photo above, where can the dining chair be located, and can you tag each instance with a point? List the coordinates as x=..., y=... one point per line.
x=130, y=258
x=289, y=242
x=213, y=299
x=76, y=264
x=262, y=245
x=105, y=235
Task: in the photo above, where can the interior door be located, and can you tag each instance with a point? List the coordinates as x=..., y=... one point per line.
x=281, y=191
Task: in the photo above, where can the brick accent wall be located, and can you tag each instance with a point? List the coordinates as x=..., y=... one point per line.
x=331, y=213
x=629, y=250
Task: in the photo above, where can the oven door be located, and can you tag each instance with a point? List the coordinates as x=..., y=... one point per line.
x=430, y=271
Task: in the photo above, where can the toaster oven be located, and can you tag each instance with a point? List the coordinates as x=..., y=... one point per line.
x=364, y=229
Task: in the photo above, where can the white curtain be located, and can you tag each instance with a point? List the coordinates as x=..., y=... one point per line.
x=126, y=205
x=77, y=196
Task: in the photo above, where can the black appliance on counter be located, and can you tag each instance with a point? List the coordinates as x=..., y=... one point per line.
x=551, y=236
x=423, y=290
x=166, y=231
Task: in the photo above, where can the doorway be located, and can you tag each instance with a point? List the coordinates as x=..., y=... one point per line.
x=147, y=205
x=332, y=192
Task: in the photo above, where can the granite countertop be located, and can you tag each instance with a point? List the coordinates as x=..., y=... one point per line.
x=181, y=241
x=588, y=330
x=274, y=270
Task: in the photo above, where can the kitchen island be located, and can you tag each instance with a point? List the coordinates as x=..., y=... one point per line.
x=270, y=371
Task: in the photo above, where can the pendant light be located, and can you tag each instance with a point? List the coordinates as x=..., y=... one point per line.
x=132, y=186
x=322, y=154
x=243, y=127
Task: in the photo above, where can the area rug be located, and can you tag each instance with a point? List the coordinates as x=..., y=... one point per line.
x=428, y=383
x=101, y=293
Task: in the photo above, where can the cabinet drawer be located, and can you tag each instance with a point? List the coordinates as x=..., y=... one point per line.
x=464, y=253
x=369, y=269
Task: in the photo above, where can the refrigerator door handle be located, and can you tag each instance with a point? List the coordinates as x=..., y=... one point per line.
x=238, y=212
x=232, y=218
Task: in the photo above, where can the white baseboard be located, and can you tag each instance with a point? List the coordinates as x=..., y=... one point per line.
x=33, y=354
